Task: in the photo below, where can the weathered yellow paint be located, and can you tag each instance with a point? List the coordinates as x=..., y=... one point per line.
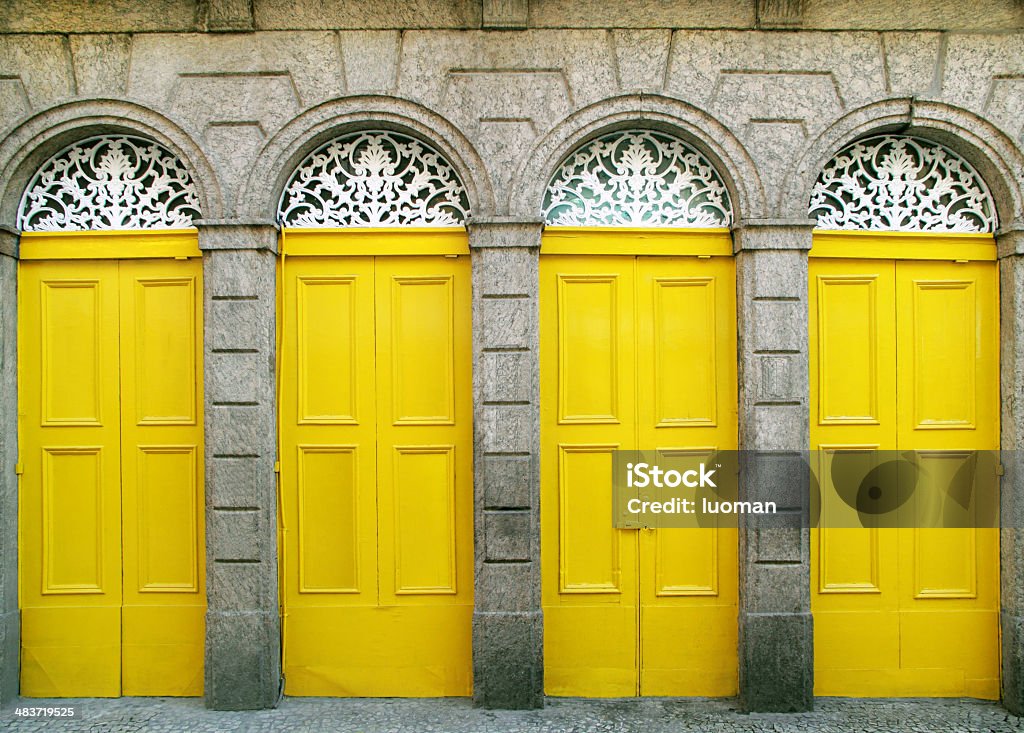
x=564, y=240
x=112, y=562
x=904, y=355
x=373, y=241
x=376, y=474
x=636, y=352
x=115, y=244
x=858, y=244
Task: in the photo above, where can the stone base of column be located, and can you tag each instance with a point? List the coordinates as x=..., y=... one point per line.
x=243, y=660
x=1013, y=662
x=508, y=661
x=10, y=655
x=776, y=662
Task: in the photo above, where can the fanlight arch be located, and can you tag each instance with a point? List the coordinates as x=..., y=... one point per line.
x=637, y=178
x=901, y=183
x=110, y=182
x=374, y=178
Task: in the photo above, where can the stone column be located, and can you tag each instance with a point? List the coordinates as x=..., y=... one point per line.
x=776, y=651
x=10, y=616
x=508, y=660
x=1010, y=242
x=243, y=637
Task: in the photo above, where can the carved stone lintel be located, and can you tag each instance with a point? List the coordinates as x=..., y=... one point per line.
x=229, y=15
x=780, y=13
x=505, y=14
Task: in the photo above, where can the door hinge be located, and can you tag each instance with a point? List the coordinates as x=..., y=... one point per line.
x=19, y=468
x=277, y=466
x=1000, y=470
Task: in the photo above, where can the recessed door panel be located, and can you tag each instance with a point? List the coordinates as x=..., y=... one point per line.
x=926, y=339
x=74, y=340
x=113, y=592
x=635, y=353
x=376, y=473
x=329, y=527
x=165, y=342
x=328, y=369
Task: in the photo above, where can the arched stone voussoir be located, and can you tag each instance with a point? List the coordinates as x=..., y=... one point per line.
x=696, y=127
x=29, y=145
x=995, y=156
x=270, y=172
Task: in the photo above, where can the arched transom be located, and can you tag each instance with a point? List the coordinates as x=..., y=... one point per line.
x=110, y=182
x=637, y=178
x=374, y=178
x=901, y=183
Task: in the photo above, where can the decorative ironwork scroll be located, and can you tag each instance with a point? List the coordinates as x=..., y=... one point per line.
x=637, y=178
x=110, y=182
x=898, y=183
x=374, y=179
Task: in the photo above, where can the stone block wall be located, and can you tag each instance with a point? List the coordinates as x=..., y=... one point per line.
x=769, y=89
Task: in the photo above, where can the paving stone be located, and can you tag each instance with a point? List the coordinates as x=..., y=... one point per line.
x=560, y=715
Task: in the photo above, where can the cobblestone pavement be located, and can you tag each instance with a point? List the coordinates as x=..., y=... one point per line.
x=559, y=716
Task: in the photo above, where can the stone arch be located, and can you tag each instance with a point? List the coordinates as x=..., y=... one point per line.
x=995, y=157
x=37, y=139
x=275, y=165
x=696, y=128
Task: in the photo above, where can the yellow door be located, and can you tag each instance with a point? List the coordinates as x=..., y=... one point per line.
x=636, y=353
x=112, y=560
x=904, y=356
x=376, y=409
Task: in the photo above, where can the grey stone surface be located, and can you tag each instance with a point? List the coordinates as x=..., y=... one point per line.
x=512, y=681
x=505, y=14
x=912, y=61
x=242, y=623
x=1011, y=546
x=776, y=662
x=642, y=14
x=326, y=14
x=560, y=715
x=371, y=60
x=229, y=15
x=10, y=653
x=238, y=234
x=780, y=13
x=507, y=480
x=10, y=616
x=507, y=535
x=1012, y=628
x=775, y=627
x=942, y=14
x=642, y=57
x=35, y=16
x=101, y=63
x=243, y=672
x=9, y=241
x=507, y=623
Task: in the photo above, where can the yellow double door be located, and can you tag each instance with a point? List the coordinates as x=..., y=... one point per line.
x=904, y=356
x=376, y=467
x=111, y=430
x=636, y=353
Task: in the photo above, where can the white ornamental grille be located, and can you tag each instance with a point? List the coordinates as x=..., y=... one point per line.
x=637, y=178
x=374, y=179
x=110, y=182
x=904, y=184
